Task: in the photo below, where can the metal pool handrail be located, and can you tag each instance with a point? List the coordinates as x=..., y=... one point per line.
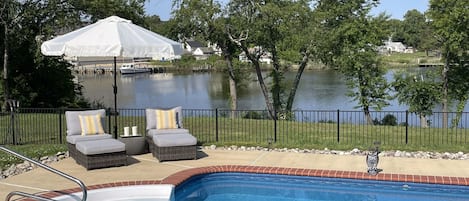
x=37, y=197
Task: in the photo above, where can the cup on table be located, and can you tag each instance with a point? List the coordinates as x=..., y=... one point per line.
x=126, y=131
x=134, y=130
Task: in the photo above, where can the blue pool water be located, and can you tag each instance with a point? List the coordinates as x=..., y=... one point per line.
x=267, y=187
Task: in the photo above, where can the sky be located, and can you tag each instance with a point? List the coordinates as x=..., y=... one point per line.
x=395, y=8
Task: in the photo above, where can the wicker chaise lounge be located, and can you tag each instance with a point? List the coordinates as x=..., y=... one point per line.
x=88, y=143
x=166, y=137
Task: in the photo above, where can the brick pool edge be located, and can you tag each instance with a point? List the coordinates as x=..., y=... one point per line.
x=181, y=176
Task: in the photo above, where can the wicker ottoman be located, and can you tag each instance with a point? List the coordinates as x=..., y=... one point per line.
x=100, y=153
x=173, y=146
x=73, y=139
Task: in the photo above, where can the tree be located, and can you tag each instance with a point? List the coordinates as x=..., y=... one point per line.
x=161, y=27
x=351, y=46
x=428, y=39
x=396, y=30
x=414, y=26
x=99, y=9
x=272, y=28
x=35, y=80
x=458, y=87
x=449, y=19
x=7, y=15
x=204, y=19
x=421, y=92
x=31, y=79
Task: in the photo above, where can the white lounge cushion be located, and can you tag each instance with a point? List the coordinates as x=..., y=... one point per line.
x=73, y=139
x=73, y=121
x=167, y=131
x=174, y=140
x=151, y=119
x=92, y=147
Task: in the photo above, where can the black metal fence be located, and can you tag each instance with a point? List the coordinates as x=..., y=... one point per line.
x=297, y=128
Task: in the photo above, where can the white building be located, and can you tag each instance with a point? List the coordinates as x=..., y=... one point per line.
x=198, y=50
x=394, y=46
x=266, y=57
x=202, y=53
x=390, y=47
x=192, y=45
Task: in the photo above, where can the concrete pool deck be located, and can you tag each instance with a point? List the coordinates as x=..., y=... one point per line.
x=146, y=168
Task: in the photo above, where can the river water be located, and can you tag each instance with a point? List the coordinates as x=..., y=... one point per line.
x=318, y=90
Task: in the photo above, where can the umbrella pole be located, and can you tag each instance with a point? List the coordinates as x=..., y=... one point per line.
x=115, y=98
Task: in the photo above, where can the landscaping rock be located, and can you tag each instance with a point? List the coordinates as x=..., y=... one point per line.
x=355, y=151
x=27, y=166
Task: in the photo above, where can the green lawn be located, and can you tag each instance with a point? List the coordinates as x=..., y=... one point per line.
x=309, y=135
x=409, y=59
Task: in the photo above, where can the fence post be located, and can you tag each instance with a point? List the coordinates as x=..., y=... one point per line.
x=338, y=126
x=406, y=126
x=275, y=128
x=216, y=124
x=109, y=126
x=60, y=125
x=14, y=105
x=12, y=125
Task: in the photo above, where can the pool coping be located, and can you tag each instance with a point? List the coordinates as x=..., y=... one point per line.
x=181, y=176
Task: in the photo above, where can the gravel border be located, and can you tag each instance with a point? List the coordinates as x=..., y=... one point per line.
x=27, y=166
x=16, y=169
x=356, y=151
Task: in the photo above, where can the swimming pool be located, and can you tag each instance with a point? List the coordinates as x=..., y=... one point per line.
x=268, y=187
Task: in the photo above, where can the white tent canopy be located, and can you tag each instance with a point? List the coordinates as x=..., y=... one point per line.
x=115, y=37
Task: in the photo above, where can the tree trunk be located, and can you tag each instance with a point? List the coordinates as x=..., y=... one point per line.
x=265, y=91
x=423, y=121
x=296, y=82
x=459, y=111
x=276, y=83
x=260, y=78
x=233, y=92
x=363, y=99
x=444, y=101
x=369, y=119
x=6, y=94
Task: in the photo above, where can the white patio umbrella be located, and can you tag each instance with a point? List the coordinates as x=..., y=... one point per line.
x=112, y=37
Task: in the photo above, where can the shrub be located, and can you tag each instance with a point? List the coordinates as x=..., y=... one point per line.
x=389, y=120
x=255, y=115
x=327, y=121
x=376, y=121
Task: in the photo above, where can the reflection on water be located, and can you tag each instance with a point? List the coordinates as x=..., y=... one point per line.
x=318, y=90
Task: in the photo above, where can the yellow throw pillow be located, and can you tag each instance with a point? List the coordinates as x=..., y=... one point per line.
x=91, y=124
x=166, y=119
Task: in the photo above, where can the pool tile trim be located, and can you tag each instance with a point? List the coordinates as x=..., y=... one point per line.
x=183, y=175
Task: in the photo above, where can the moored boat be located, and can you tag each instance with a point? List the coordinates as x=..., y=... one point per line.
x=130, y=68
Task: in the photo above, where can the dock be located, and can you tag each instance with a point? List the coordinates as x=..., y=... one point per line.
x=205, y=68
x=427, y=65
x=109, y=69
